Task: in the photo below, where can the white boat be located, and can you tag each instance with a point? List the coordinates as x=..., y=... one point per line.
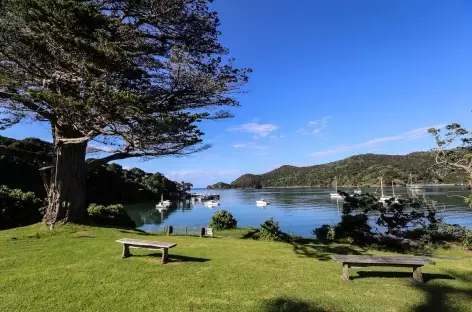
x=262, y=202
x=335, y=195
x=163, y=203
x=161, y=206
x=211, y=203
x=383, y=198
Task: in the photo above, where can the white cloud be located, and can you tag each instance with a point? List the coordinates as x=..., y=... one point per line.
x=198, y=175
x=200, y=172
x=240, y=145
x=321, y=124
x=251, y=145
x=410, y=135
x=259, y=130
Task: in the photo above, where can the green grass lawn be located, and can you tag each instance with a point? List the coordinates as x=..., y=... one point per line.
x=79, y=268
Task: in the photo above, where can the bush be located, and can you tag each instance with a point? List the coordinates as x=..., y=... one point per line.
x=353, y=226
x=270, y=231
x=325, y=232
x=450, y=233
x=18, y=208
x=113, y=215
x=223, y=220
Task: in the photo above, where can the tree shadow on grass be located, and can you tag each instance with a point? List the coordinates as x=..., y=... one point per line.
x=173, y=258
x=324, y=252
x=283, y=304
x=437, y=295
x=426, y=276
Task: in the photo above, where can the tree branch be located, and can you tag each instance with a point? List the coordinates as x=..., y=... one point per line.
x=124, y=155
x=29, y=104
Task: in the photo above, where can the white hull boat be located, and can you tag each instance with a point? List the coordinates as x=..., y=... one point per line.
x=262, y=202
x=211, y=203
x=335, y=195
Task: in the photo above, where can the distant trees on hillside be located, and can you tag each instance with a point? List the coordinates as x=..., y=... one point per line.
x=359, y=170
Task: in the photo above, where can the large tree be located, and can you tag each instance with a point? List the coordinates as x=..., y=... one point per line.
x=453, y=151
x=135, y=76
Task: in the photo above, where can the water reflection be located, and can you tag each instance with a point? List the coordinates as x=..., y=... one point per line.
x=299, y=210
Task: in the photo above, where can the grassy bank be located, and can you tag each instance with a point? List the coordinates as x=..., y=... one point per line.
x=80, y=268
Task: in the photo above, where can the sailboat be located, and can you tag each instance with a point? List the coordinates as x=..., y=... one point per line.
x=163, y=203
x=383, y=198
x=335, y=195
x=411, y=185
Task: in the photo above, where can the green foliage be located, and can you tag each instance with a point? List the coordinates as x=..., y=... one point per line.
x=453, y=152
x=20, y=161
x=219, y=186
x=140, y=73
x=112, y=215
x=360, y=170
x=270, y=231
x=400, y=218
x=325, y=233
x=19, y=208
x=223, y=220
x=355, y=228
x=442, y=232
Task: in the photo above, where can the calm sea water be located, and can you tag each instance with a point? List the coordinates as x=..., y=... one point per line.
x=298, y=210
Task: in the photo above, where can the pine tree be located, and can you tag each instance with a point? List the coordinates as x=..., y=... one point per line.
x=134, y=76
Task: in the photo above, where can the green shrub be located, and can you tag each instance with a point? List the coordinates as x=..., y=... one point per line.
x=353, y=226
x=113, y=215
x=18, y=208
x=449, y=233
x=325, y=232
x=223, y=220
x=270, y=231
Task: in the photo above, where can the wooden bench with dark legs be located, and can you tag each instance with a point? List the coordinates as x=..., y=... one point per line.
x=150, y=245
x=415, y=262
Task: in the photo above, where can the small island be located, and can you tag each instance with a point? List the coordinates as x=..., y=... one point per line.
x=219, y=186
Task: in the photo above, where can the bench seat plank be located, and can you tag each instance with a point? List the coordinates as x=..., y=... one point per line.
x=383, y=260
x=145, y=243
x=150, y=245
x=415, y=262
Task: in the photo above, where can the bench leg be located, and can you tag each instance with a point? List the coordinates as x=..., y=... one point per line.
x=346, y=271
x=165, y=255
x=417, y=276
x=126, y=252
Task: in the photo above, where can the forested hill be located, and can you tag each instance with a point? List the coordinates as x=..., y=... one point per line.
x=109, y=184
x=362, y=170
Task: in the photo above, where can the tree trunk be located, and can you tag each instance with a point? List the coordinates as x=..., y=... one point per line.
x=66, y=193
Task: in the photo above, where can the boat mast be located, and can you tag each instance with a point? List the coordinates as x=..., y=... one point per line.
x=393, y=190
x=336, y=183
x=381, y=187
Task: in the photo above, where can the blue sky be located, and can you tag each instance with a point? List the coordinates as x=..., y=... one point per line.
x=331, y=79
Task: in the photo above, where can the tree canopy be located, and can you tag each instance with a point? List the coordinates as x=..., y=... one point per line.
x=135, y=77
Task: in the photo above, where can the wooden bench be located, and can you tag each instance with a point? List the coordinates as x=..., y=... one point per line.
x=150, y=245
x=414, y=262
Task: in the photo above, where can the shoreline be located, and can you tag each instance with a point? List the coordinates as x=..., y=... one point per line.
x=319, y=186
